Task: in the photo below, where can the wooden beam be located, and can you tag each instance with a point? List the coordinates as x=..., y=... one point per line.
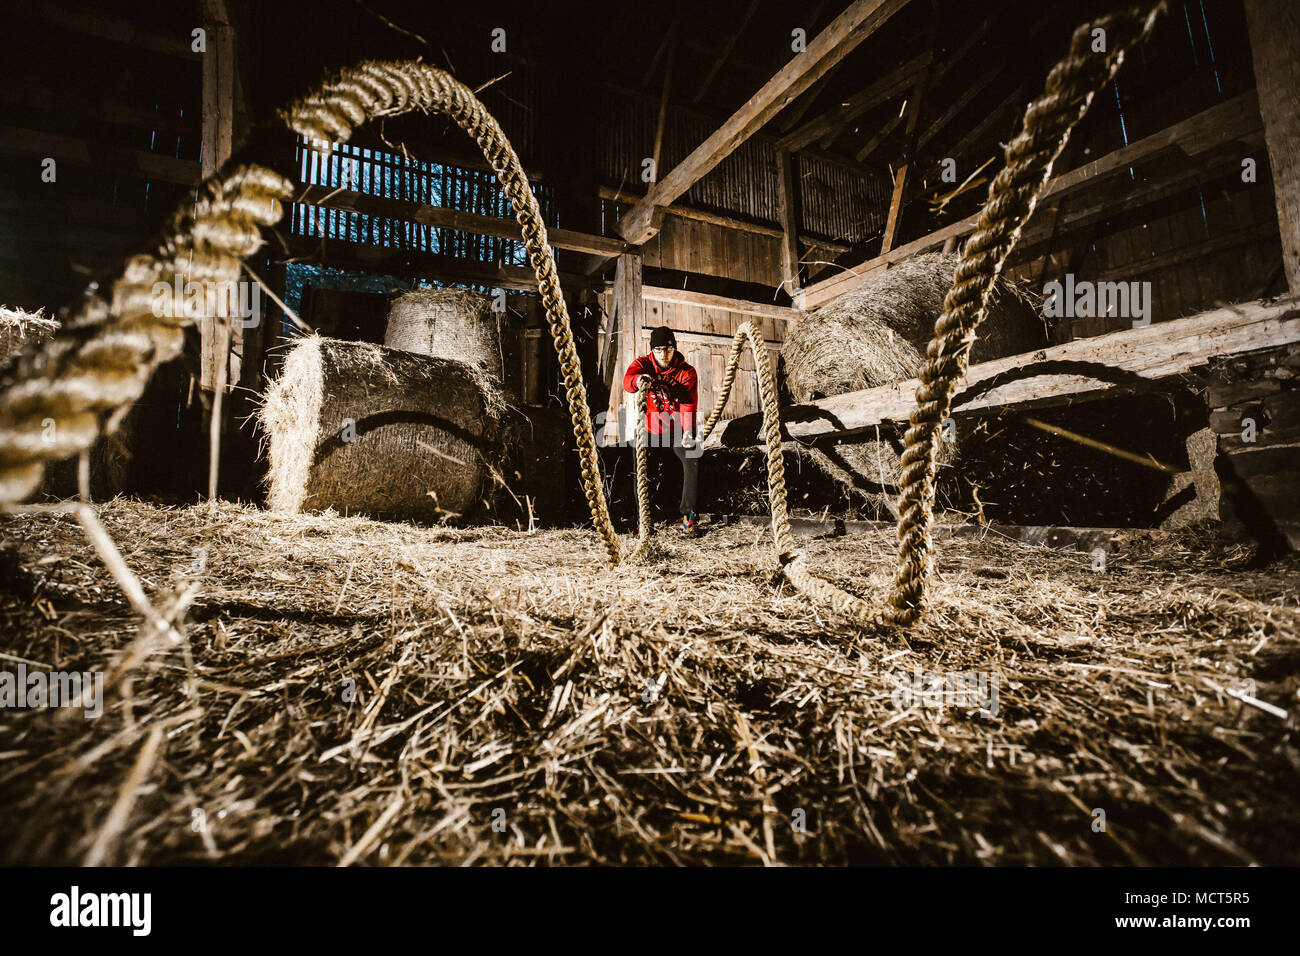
x=959, y=104
x=1230, y=120
x=421, y=265
x=102, y=107
x=92, y=21
x=707, y=338
x=708, y=301
x=887, y=87
x=855, y=24
x=903, y=175
x=628, y=315
x=797, y=110
x=1121, y=207
x=1217, y=243
x=727, y=222
x=659, y=55
x=1275, y=46
x=59, y=212
x=882, y=135
x=385, y=207
x=788, y=212
x=725, y=53
x=662, y=121
x=80, y=152
x=218, y=88
x=1158, y=351
x=997, y=115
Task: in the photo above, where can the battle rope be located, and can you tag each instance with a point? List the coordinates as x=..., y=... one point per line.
x=1012, y=196
x=54, y=400
x=98, y=363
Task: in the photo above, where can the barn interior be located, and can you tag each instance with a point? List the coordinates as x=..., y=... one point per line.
x=332, y=489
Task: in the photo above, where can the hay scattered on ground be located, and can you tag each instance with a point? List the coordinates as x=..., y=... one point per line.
x=677, y=713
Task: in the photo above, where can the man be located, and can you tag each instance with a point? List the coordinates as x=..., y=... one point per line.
x=670, y=412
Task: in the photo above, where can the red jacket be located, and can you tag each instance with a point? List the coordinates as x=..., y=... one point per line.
x=673, y=395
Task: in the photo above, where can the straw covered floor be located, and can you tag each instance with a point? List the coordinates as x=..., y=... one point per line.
x=350, y=691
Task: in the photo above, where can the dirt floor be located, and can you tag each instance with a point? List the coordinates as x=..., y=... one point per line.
x=358, y=692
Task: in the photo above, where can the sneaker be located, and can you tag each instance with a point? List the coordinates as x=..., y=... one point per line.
x=688, y=524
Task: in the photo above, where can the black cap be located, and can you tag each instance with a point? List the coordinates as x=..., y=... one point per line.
x=662, y=336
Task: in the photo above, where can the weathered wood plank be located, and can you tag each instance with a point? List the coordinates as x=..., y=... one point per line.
x=687, y=297
x=788, y=215
x=1275, y=45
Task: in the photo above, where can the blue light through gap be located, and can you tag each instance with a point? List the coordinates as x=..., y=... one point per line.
x=1190, y=39
x=1210, y=44
x=1123, y=130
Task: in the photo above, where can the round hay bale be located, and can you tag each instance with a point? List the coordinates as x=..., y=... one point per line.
x=877, y=334
x=371, y=430
x=455, y=324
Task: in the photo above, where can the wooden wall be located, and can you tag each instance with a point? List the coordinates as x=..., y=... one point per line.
x=705, y=248
x=1218, y=244
x=704, y=338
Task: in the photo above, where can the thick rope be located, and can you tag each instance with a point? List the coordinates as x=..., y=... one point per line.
x=1012, y=197
x=99, y=362
x=55, y=399
x=376, y=89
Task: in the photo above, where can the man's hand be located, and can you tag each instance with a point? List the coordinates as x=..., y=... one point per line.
x=643, y=380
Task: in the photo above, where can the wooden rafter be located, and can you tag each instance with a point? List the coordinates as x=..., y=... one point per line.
x=892, y=84
x=1230, y=120
x=725, y=53
x=855, y=24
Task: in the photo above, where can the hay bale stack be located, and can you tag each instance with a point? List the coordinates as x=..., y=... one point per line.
x=877, y=334
x=366, y=429
x=456, y=324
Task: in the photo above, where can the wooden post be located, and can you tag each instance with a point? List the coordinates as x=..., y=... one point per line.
x=788, y=211
x=218, y=337
x=904, y=174
x=662, y=121
x=1275, y=44
x=625, y=323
